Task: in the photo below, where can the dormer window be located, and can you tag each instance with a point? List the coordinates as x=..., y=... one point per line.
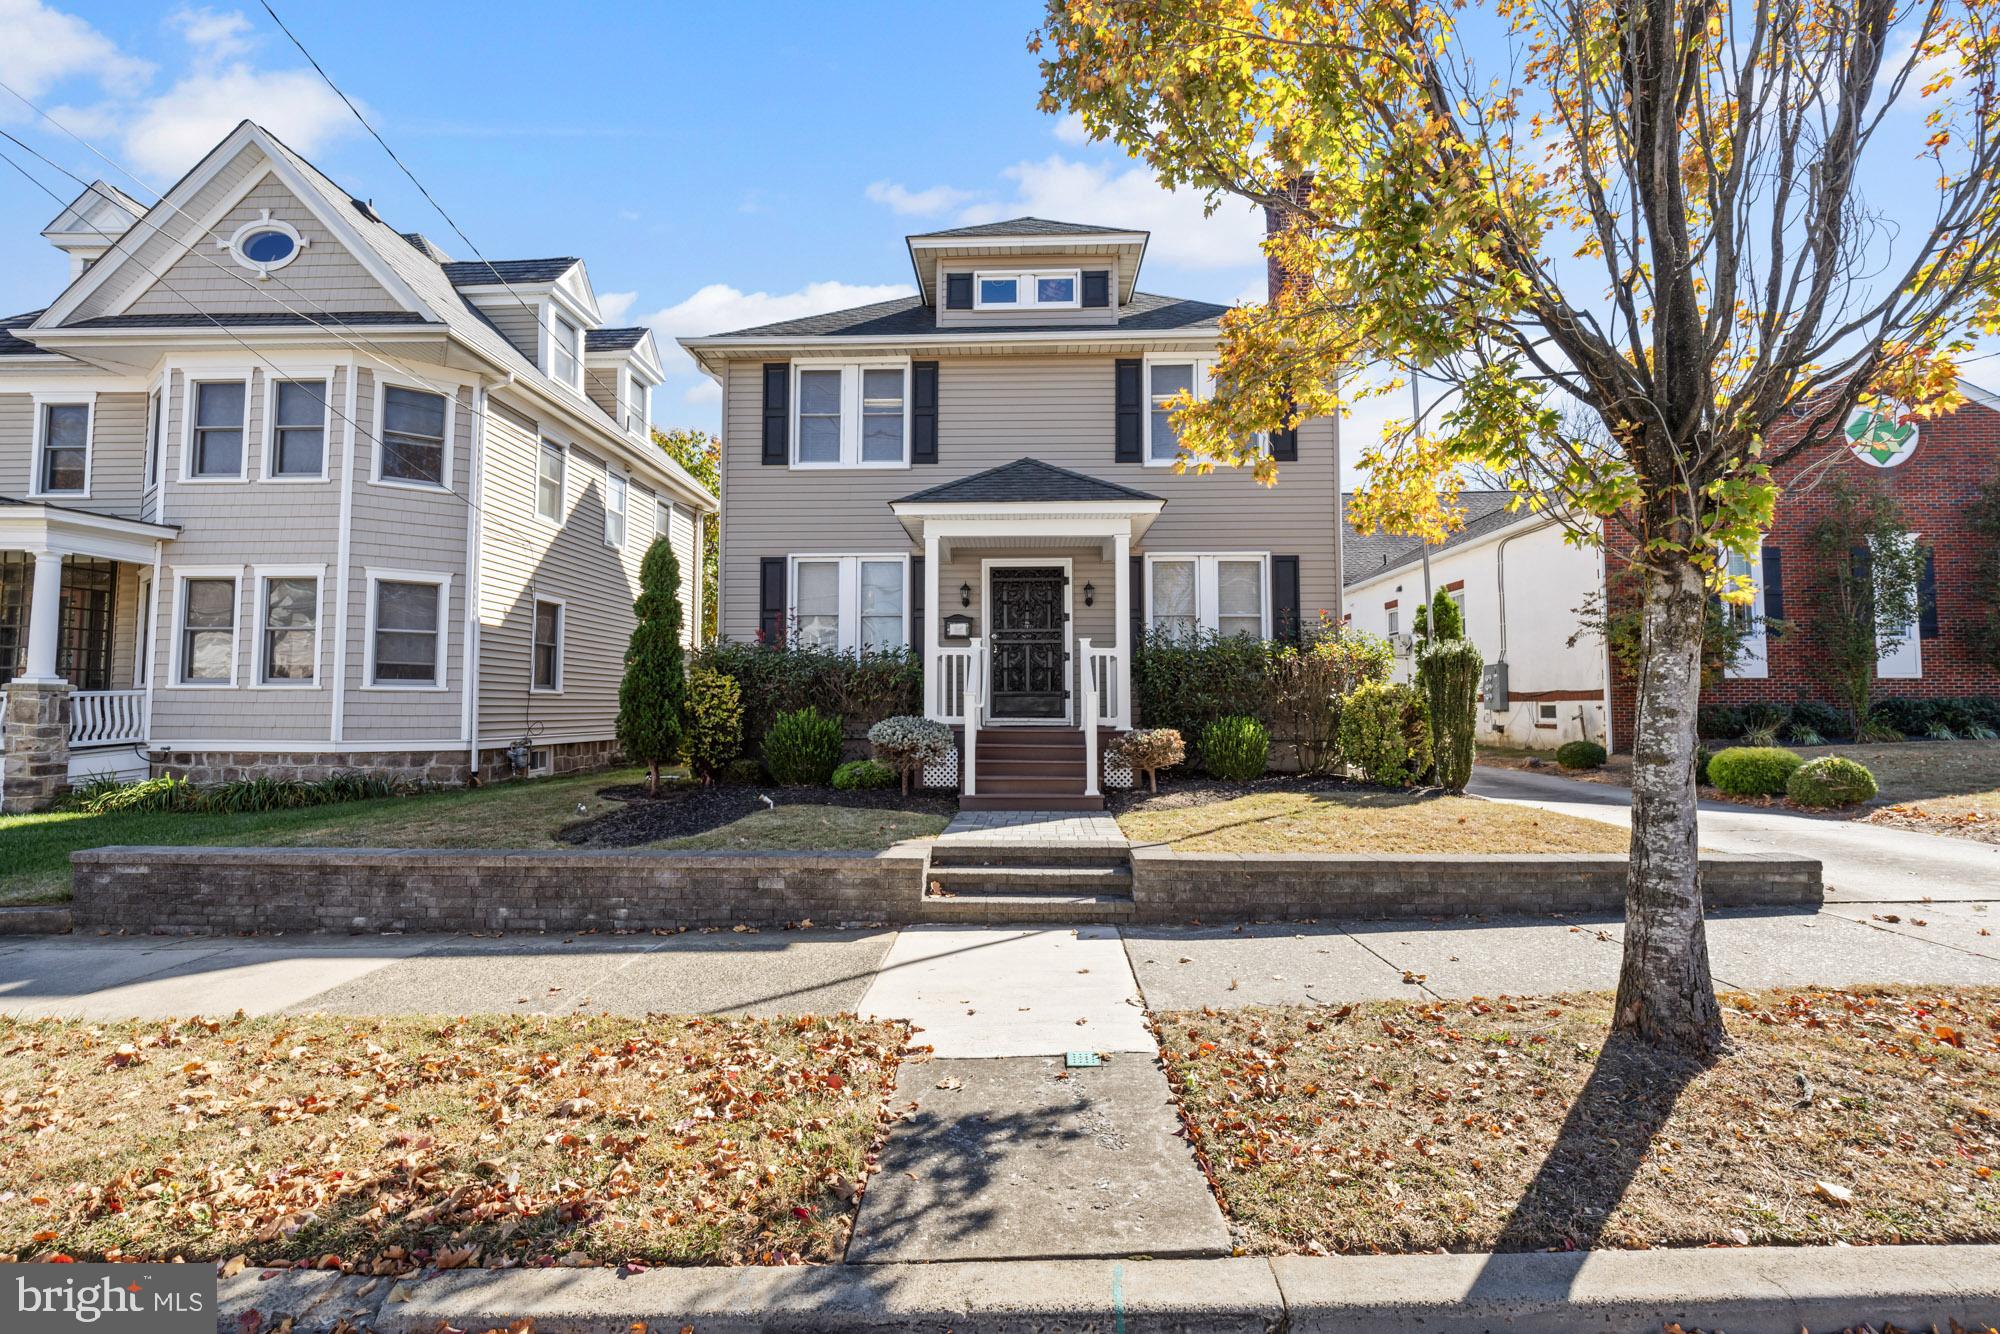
x=565, y=351
x=1052, y=289
x=638, y=417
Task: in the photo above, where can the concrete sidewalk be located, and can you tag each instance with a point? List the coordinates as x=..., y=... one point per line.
x=1754, y=1290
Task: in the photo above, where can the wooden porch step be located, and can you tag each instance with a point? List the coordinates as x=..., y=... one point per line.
x=1042, y=801
x=1006, y=764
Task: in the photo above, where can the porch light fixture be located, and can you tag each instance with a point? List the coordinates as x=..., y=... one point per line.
x=965, y=595
x=1090, y=595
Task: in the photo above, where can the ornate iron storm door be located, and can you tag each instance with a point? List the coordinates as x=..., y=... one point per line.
x=1030, y=634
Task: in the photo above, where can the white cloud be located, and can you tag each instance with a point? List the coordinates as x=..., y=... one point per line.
x=169, y=133
x=918, y=203
x=703, y=392
x=214, y=35
x=1066, y=190
x=1070, y=130
x=613, y=305
x=44, y=47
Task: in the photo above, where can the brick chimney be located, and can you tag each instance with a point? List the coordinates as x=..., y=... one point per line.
x=1277, y=217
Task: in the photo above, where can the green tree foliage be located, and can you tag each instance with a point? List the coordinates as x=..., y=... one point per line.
x=1447, y=622
x=701, y=454
x=1863, y=587
x=652, y=699
x=1384, y=733
x=714, y=733
x=1448, y=673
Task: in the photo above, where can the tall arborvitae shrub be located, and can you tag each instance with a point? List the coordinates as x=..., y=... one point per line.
x=653, y=695
x=1448, y=674
x=1447, y=621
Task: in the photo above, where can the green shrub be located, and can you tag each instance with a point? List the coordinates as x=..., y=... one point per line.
x=1445, y=622
x=714, y=732
x=802, y=748
x=1719, y=722
x=1753, y=771
x=1765, y=717
x=1810, y=715
x=1149, y=750
x=1187, y=682
x=178, y=795
x=1448, y=673
x=1702, y=755
x=1830, y=780
x=858, y=774
x=1384, y=733
x=746, y=772
x=1237, y=749
x=652, y=698
x=861, y=689
x=906, y=743
x=1580, y=755
x=1306, y=682
x=1876, y=730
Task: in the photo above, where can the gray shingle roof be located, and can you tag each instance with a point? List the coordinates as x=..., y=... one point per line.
x=613, y=340
x=908, y=316
x=11, y=346
x=1024, y=481
x=481, y=273
x=241, y=319
x=1363, y=556
x=1026, y=227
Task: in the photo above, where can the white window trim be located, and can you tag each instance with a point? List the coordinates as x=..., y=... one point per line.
x=42, y=402
x=1754, y=662
x=561, y=447
x=1912, y=647
x=268, y=464
x=259, y=575
x=1203, y=381
x=142, y=643
x=196, y=378
x=264, y=222
x=442, y=582
x=635, y=388
x=1207, y=611
x=850, y=413
x=847, y=604
x=156, y=433
x=624, y=514
x=562, y=642
x=383, y=383
x=547, y=313
x=176, y=667
x=1025, y=285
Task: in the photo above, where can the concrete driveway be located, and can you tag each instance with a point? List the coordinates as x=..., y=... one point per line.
x=1864, y=863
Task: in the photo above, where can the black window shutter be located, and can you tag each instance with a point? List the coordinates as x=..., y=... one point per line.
x=1130, y=374
x=771, y=601
x=958, y=291
x=777, y=411
x=1097, y=287
x=923, y=412
x=917, y=603
x=1138, y=599
x=1285, y=598
x=1285, y=443
x=1774, y=584
x=1927, y=617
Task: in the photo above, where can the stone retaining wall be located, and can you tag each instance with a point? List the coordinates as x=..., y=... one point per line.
x=1176, y=886
x=195, y=891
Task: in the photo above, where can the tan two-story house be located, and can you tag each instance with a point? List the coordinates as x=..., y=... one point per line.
x=286, y=491
x=983, y=473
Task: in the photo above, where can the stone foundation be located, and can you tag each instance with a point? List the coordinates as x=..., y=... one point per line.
x=441, y=768
x=36, y=741
x=575, y=757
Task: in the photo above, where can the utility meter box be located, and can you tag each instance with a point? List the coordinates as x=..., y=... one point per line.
x=1493, y=685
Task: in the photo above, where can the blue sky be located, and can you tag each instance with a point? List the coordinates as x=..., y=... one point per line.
x=715, y=166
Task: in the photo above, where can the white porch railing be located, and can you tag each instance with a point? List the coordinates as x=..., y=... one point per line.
x=975, y=704
x=1087, y=702
x=947, y=680
x=1102, y=675
x=107, y=718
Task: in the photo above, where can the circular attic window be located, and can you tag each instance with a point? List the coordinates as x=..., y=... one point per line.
x=265, y=243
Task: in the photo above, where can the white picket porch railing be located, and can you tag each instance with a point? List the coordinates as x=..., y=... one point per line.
x=1101, y=672
x=106, y=718
x=974, y=705
x=949, y=675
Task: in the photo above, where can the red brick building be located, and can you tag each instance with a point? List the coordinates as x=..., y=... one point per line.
x=1934, y=471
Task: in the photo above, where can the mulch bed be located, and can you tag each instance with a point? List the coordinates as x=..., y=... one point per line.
x=1180, y=793
x=685, y=809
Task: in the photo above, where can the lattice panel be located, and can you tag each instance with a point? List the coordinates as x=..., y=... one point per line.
x=943, y=773
x=1117, y=773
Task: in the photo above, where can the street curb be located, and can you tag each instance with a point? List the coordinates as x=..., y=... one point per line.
x=35, y=919
x=1749, y=1290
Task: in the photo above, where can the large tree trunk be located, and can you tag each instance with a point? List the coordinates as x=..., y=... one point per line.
x=1665, y=995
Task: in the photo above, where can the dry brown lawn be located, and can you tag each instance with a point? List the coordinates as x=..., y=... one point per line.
x=813, y=829
x=377, y=1145
x=1365, y=820
x=1864, y=1117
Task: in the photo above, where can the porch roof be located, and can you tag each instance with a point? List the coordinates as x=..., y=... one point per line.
x=36, y=525
x=1024, y=482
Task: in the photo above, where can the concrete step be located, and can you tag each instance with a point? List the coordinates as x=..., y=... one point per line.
x=959, y=855
x=1043, y=801
x=1073, y=877
x=1028, y=908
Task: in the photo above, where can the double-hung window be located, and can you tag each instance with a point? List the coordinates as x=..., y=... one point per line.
x=406, y=639
x=1223, y=595
x=851, y=603
x=288, y=608
x=617, y=501
x=298, y=411
x=215, y=446
x=1167, y=377
x=852, y=415
x=551, y=473
x=637, y=416
x=1048, y=289
x=208, y=631
x=1752, y=660
x=63, y=465
x=565, y=351
x=155, y=428
x=413, y=436
x=548, y=637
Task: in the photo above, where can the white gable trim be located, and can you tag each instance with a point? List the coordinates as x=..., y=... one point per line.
x=172, y=210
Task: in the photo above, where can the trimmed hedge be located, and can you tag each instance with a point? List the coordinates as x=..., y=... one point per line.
x=1385, y=734
x=1580, y=755
x=860, y=691
x=1830, y=781
x=859, y=774
x=1753, y=771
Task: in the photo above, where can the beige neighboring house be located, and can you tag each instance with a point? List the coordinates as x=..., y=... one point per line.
x=983, y=472
x=285, y=491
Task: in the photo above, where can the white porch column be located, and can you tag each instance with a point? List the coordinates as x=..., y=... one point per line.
x=933, y=672
x=44, y=620
x=1122, y=595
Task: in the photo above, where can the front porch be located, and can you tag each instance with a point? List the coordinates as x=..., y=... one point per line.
x=73, y=643
x=1026, y=599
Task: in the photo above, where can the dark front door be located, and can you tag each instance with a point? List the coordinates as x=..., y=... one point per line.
x=1030, y=669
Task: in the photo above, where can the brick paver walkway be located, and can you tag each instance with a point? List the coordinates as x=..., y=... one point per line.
x=1032, y=829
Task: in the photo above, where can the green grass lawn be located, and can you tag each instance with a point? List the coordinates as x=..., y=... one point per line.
x=35, y=849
